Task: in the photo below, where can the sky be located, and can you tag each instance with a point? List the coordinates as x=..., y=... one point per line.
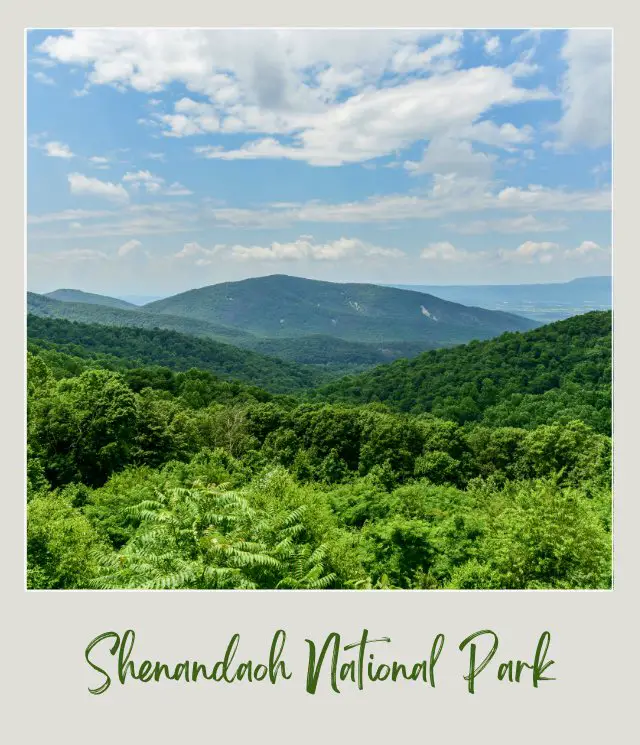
x=159, y=160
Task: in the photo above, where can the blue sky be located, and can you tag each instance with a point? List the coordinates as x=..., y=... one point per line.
x=164, y=159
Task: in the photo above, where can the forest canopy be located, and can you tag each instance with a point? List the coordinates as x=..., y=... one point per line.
x=483, y=466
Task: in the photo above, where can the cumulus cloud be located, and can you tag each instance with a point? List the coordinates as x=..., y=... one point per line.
x=587, y=251
x=85, y=185
x=446, y=155
x=531, y=252
x=304, y=247
x=43, y=78
x=323, y=97
x=544, y=252
x=198, y=254
x=154, y=184
x=382, y=121
x=445, y=251
x=128, y=247
x=492, y=45
x=58, y=150
x=586, y=88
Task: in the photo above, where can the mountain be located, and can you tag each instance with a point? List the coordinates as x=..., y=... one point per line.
x=326, y=351
x=280, y=306
x=41, y=305
x=78, y=296
x=561, y=371
x=140, y=347
x=542, y=302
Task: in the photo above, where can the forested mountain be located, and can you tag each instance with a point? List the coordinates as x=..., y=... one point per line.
x=283, y=306
x=41, y=305
x=78, y=296
x=182, y=351
x=544, y=302
x=148, y=478
x=139, y=347
x=562, y=370
x=325, y=351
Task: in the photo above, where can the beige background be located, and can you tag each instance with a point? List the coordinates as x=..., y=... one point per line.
x=44, y=676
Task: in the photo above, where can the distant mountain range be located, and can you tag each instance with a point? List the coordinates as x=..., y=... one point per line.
x=280, y=306
x=78, y=296
x=542, y=302
x=299, y=320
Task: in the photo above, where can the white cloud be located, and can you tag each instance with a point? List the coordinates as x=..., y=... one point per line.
x=128, y=247
x=177, y=190
x=445, y=251
x=531, y=252
x=587, y=251
x=337, y=96
x=154, y=184
x=57, y=150
x=43, y=78
x=80, y=184
x=446, y=155
x=587, y=247
x=492, y=45
x=156, y=156
x=586, y=89
x=127, y=220
x=449, y=194
x=523, y=224
x=99, y=161
x=198, y=254
x=544, y=252
x=410, y=57
x=382, y=121
x=304, y=247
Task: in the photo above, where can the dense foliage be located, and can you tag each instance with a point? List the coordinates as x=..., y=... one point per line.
x=558, y=372
x=146, y=477
x=137, y=347
x=109, y=315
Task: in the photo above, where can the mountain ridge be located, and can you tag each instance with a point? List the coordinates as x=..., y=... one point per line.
x=279, y=305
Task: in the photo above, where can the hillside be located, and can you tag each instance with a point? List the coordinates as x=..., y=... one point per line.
x=334, y=352
x=41, y=305
x=561, y=371
x=325, y=351
x=180, y=352
x=78, y=296
x=544, y=302
x=283, y=306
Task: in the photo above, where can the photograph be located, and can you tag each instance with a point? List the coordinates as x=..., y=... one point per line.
x=318, y=309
